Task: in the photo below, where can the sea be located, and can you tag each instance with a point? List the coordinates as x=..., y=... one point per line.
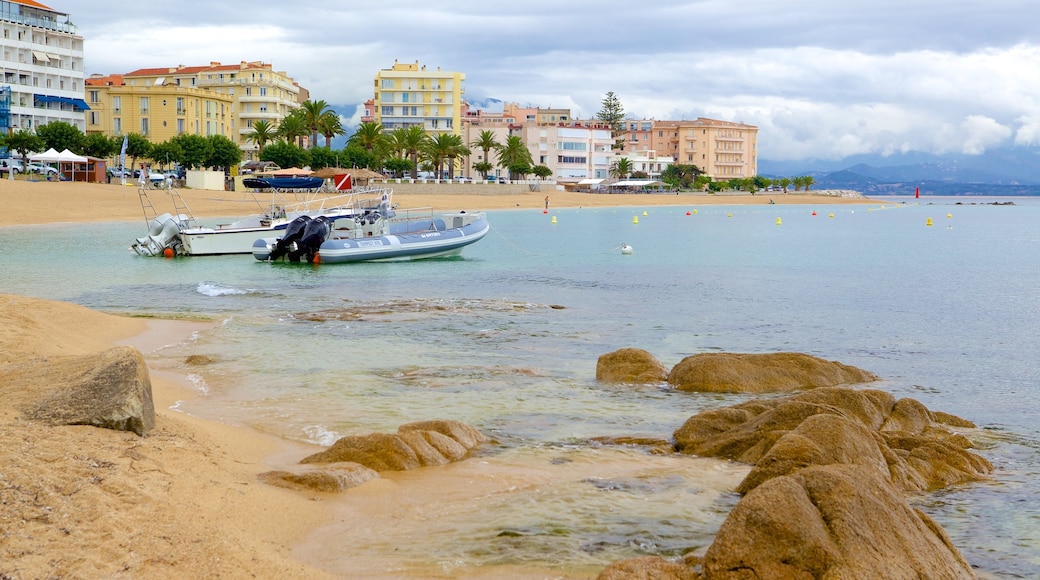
x=938, y=296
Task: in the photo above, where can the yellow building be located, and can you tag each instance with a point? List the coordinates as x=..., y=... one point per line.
x=215, y=99
x=723, y=150
x=409, y=94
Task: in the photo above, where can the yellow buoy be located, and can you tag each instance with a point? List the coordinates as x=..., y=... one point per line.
x=729, y=215
x=777, y=221
x=644, y=212
x=554, y=219
x=929, y=222
x=949, y=215
x=831, y=215
x=694, y=212
x=635, y=219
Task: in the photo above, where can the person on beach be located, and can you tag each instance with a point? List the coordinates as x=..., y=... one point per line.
x=547, y=203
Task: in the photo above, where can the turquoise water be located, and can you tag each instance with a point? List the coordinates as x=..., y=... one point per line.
x=506, y=338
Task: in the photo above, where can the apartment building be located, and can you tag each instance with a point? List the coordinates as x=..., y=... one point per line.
x=213, y=99
x=41, y=67
x=723, y=150
x=410, y=94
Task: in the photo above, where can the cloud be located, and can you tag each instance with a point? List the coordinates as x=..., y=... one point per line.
x=819, y=80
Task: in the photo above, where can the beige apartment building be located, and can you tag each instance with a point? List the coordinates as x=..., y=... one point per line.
x=723, y=150
x=215, y=99
x=410, y=94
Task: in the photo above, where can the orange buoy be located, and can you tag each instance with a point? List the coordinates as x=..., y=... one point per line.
x=688, y=213
x=317, y=258
x=168, y=253
x=814, y=212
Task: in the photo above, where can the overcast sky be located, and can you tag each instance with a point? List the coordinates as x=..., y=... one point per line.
x=820, y=78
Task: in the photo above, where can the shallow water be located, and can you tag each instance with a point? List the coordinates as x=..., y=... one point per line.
x=506, y=338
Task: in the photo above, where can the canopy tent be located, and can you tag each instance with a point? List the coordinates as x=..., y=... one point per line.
x=67, y=155
x=49, y=155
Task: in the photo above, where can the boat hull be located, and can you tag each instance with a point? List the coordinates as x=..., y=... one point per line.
x=419, y=245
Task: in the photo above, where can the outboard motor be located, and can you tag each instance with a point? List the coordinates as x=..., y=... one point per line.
x=317, y=231
x=162, y=234
x=293, y=232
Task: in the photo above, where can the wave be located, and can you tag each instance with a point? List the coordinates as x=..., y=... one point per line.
x=214, y=289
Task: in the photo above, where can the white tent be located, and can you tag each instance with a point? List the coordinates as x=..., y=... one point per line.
x=67, y=155
x=48, y=155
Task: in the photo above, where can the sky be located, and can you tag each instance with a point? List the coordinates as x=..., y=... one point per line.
x=821, y=79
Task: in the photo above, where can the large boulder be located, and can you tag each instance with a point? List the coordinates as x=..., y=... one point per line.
x=630, y=365
x=762, y=373
x=833, y=521
x=110, y=389
x=414, y=445
x=647, y=568
x=898, y=439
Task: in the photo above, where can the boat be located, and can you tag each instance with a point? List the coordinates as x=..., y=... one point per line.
x=376, y=234
x=283, y=183
x=180, y=234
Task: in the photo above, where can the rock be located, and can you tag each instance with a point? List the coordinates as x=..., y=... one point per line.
x=630, y=365
x=647, y=568
x=415, y=445
x=111, y=389
x=835, y=426
x=761, y=373
x=332, y=478
x=833, y=521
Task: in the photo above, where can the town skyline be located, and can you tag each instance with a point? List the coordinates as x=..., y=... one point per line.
x=819, y=82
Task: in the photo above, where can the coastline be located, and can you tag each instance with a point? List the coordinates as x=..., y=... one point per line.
x=184, y=500
x=41, y=202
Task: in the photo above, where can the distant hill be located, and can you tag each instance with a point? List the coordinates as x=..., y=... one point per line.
x=999, y=172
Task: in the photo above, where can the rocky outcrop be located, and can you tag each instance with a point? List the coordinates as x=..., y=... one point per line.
x=414, y=445
x=761, y=373
x=901, y=440
x=833, y=521
x=647, y=568
x=110, y=389
x=630, y=365
x=331, y=478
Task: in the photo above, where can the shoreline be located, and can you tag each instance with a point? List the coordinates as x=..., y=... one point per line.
x=40, y=202
x=182, y=501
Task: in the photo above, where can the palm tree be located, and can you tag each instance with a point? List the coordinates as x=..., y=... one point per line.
x=513, y=153
x=457, y=148
x=485, y=142
x=312, y=112
x=621, y=168
x=262, y=133
x=329, y=126
x=368, y=135
x=412, y=141
x=438, y=149
x=293, y=127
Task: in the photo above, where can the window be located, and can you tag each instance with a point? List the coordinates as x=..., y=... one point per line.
x=388, y=83
x=180, y=126
x=92, y=118
x=263, y=91
x=387, y=110
x=144, y=105
x=144, y=127
x=249, y=91
x=180, y=105
x=116, y=104
x=117, y=126
x=93, y=96
x=571, y=146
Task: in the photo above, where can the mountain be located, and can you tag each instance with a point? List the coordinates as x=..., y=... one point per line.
x=1011, y=171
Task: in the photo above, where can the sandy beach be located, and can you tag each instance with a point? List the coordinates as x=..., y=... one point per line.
x=38, y=202
x=183, y=501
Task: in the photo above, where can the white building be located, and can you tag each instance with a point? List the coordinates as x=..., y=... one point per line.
x=41, y=67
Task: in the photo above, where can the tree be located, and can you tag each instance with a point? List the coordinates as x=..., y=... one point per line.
x=323, y=157
x=438, y=149
x=24, y=142
x=784, y=182
x=621, y=167
x=541, y=171
x=682, y=176
x=262, y=133
x=293, y=127
x=398, y=165
x=367, y=135
x=329, y=126
x=137, y=145
x=101, y=146
x=514, y=154
x=196, y=150
x=613, y=115
x=166, y=152
x=60, y=135
x=412, y=141
x=223, y=152
x=286, y=154
x=456, y=148
x=485, y=142
x=311, y=112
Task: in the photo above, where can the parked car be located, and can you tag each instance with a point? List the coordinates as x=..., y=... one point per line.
x=463, y=179
x=11, y=164
x=42, y=169
x=117, y=172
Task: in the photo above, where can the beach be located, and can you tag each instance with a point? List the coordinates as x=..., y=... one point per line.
x=40, y=202
x=183, y=501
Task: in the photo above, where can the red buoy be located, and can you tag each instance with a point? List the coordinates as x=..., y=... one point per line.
x=167, y=253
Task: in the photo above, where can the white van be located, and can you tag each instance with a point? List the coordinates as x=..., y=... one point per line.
x=11, y=164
